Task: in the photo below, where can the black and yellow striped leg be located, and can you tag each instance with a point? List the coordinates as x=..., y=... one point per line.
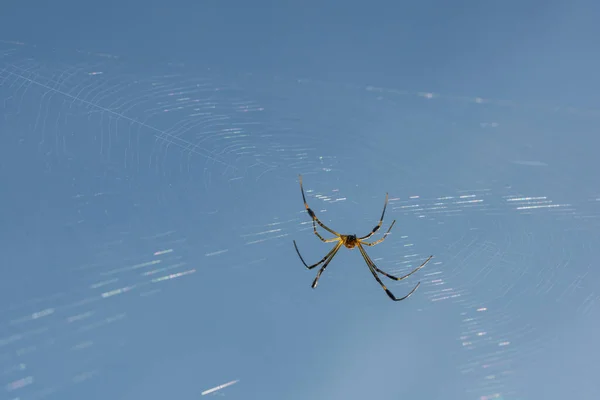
x=321, y=237
x=380, y=240
x=366, y=257
x=380, y=221
x=320, y=262
x=373, y=269
x=333, y=253
x=312, y=213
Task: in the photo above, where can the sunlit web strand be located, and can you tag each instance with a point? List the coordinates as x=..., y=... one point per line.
x=159, y=134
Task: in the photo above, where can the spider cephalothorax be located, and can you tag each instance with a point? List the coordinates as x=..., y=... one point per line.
x=352, y=241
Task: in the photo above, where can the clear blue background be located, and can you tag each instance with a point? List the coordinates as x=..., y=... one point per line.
x=149, y=155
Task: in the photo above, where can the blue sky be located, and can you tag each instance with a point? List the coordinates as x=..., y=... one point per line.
x=150, y=155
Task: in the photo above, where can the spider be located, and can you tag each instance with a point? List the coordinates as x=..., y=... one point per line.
x=351, y=241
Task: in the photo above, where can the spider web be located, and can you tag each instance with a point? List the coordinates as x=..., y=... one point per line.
x=134, y=192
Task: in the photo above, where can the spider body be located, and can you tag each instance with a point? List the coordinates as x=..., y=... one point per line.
x=350, y=242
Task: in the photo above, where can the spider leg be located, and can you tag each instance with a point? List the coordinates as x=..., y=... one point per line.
x=337, y=246
x=380, y=240
x=333, y=253
x=365, y=255
x=380, y=221
x=321, y=237
x=372, y=268
x=312, y=213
